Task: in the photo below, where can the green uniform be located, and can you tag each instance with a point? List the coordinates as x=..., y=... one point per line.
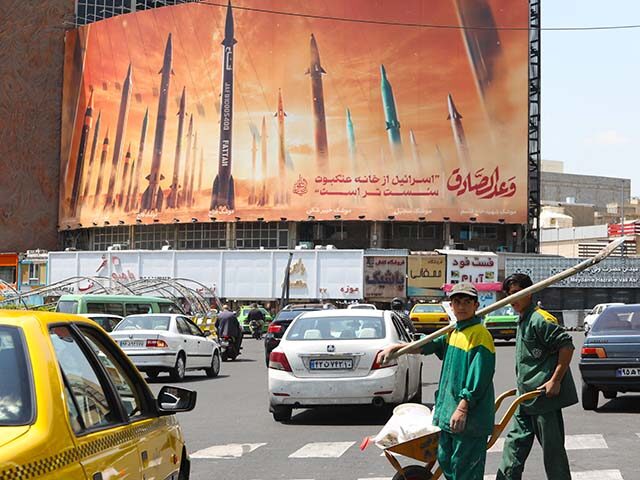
x=469, y=360
x=538, y=341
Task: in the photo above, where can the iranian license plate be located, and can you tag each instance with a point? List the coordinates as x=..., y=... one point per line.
x=507, y=332
x=132, y=343
x=628, y=372
x=331, y=364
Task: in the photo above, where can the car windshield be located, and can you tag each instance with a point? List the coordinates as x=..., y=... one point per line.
x=503, y=312
x=146, y=322
x=67, y=306
x=363, y=307
x=288, y=314
x=618, y=320
x=15, y=387
x=336, y=328
x=428, y=309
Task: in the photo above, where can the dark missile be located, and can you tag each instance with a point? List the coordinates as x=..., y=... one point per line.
x=315, y=71
x=125, y=177
x=103, y=161
x=172, y=198
x=200, y=169
x=282, y=195
x=222, y=193
x=255, y=135
x=121, y=128
x=152, y=197
x=82, y=148
x=94, y=147
x=458, y=134
x=263, y=197
x=182, y=195
x=192, y=169
x=390, y=114
x=132, y=200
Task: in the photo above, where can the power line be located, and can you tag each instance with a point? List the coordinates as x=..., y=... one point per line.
x=418, y=25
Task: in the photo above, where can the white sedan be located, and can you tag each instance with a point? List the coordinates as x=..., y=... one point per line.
x=167, y=343
x=329, y=358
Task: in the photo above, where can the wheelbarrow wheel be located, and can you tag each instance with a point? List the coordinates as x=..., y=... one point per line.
x=413, y=472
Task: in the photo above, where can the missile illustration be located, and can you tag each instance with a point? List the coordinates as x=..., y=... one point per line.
x=125, y=177
x=121, y=128
x=351, y=138
x=458, y=134
x=132, y=200
x=390, y=114
x=94, y=146
x=483, y=47
x=82, y=148
x=263, y=197
x=315, y=71
x=414, y=148
x=201, y=169
x=254, y=152
x=152, y=197
x=192, y=169
x=103, y=161
x=172, y=198
x=182, y=195
x=222, y=193
x=281, y=196
x=129, y=190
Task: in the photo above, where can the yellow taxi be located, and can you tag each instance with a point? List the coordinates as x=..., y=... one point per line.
x=428, y=317
x=72, y=406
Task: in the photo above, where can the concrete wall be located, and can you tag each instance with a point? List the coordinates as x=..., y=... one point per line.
x=30, y=104
x=598, y=191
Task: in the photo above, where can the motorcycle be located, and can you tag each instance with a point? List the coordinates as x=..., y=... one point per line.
x=256, y=329
x=229, y=348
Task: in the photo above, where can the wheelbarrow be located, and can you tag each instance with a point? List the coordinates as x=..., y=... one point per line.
x=425, y=448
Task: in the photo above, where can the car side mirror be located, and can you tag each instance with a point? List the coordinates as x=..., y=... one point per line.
x=175, y=399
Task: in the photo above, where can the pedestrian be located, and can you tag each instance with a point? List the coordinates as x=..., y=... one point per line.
x=227, y=325
x=464, y=406
x=543, y=355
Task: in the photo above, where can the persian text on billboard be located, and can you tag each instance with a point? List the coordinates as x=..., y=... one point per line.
x=425, y=272
x=384, y=277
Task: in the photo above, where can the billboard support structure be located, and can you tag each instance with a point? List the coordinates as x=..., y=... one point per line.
x=532, y=228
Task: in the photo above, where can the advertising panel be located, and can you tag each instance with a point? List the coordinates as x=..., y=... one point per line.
x=426, y=273
x=474, y=267
x=325, y=109
x=384, y=277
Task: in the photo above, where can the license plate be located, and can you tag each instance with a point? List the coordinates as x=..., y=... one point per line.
x=132, y=343
x=507, y=332
x=329, y=364
x=628, y=372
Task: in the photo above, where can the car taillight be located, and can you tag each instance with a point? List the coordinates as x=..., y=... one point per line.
x=444, y=319
x=415, y=319
x=593, y=352
x=377, y=365
x=274, y=329
x=157, y=343
x=278, y=361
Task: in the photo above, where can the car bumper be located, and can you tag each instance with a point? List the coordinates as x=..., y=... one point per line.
x=161, y=359
x=424, y=327
x=503, y=332
x=602, y=375
x=286, y=389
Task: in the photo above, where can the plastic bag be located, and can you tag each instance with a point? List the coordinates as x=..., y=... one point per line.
x=409, y=421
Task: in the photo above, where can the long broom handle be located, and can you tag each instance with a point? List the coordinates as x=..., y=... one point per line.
x=536, y=287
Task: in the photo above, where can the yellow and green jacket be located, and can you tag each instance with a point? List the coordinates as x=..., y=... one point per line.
x=469, y=361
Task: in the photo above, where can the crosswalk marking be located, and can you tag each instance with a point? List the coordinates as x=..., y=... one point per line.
x=322, y=450
x=590, y=475
x=571, y=442
x=231, y=450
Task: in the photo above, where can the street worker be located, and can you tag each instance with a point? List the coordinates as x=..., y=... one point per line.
x=227, y=325
x=464, y=407
x=543, y=356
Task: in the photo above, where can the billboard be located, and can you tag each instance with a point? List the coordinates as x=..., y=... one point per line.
x=426, y=273
x=350, y=110
x=384, y=277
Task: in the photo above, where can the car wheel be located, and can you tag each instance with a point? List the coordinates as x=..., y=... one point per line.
x=214, y=370
x=610, y=395
x=589, y=397
x=282, y=413
x=417, y=398
x=152, y=374
x=177, y=372
x=413, y=472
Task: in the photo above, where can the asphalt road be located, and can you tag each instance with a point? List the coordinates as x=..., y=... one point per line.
x=233, y=432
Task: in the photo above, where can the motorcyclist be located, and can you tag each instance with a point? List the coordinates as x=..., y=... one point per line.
x=256, y=320
x=397, y=305
x=227, y=325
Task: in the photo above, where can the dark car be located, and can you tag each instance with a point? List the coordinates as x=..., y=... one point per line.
x=283, y=319
x=610, y=360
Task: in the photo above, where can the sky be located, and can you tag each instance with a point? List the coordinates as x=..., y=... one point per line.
x=590, y=97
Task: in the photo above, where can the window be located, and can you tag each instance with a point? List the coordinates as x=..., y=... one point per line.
x=125, y=386
x=111, y=308
x=428, y=309
x=154, y=237
x=169, y=308
x=88, y=11
x=336, y=328
x=262, y=234
x=137, y=308
x=400, y=330
x=194, y=329
x=147, y=322
x=104, y=237
x=183, y=328
x=92, y=408
x=416, y=231
x=202, y=235
x=16, y=405
x=68, y=306
x=8, y=274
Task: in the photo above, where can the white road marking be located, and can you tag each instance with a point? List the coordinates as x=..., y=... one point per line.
x=322, y=450
x=231, y=450
x=571, y=442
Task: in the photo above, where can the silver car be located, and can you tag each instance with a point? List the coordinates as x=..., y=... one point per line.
x=167, y=343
